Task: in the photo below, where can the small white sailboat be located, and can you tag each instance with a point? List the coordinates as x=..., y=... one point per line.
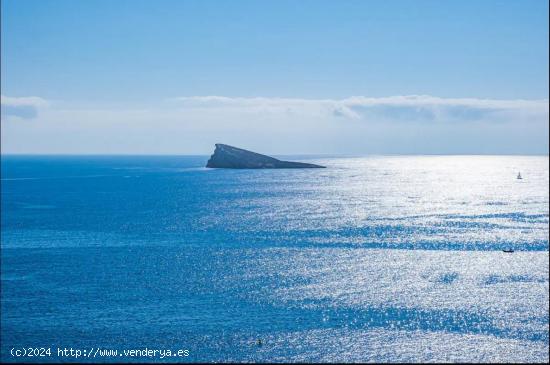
x=519, y=176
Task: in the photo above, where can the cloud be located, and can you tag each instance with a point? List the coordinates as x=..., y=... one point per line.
x=22, y=107
x=395, y=108
x=414, y=124
x=310, y=107
x=427, y=100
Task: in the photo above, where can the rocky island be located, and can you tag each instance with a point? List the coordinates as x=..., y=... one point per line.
x=226, y=156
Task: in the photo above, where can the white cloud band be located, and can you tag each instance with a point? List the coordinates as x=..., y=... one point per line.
x=394, y=107
x=22, y=107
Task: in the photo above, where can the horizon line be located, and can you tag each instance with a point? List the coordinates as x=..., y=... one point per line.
x=274, y=154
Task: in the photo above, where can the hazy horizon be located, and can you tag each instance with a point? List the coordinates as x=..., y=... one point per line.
x=332, y=155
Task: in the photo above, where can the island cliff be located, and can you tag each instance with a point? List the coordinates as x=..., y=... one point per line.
x=236, y=158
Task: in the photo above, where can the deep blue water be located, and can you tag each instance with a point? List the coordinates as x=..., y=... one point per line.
x=383, y=258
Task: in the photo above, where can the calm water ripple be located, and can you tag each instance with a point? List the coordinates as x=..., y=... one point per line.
x=372, y=259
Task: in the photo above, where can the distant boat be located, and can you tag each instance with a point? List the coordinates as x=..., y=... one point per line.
x=519, y=176
x=508, y=250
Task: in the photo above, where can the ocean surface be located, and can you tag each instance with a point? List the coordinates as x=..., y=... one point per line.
x=381, y=258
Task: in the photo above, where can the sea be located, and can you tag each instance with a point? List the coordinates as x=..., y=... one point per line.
x=373, y=259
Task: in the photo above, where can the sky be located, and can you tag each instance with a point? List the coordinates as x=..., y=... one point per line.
x=281, y=77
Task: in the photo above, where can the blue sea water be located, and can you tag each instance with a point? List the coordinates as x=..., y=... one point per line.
x=381, y=258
